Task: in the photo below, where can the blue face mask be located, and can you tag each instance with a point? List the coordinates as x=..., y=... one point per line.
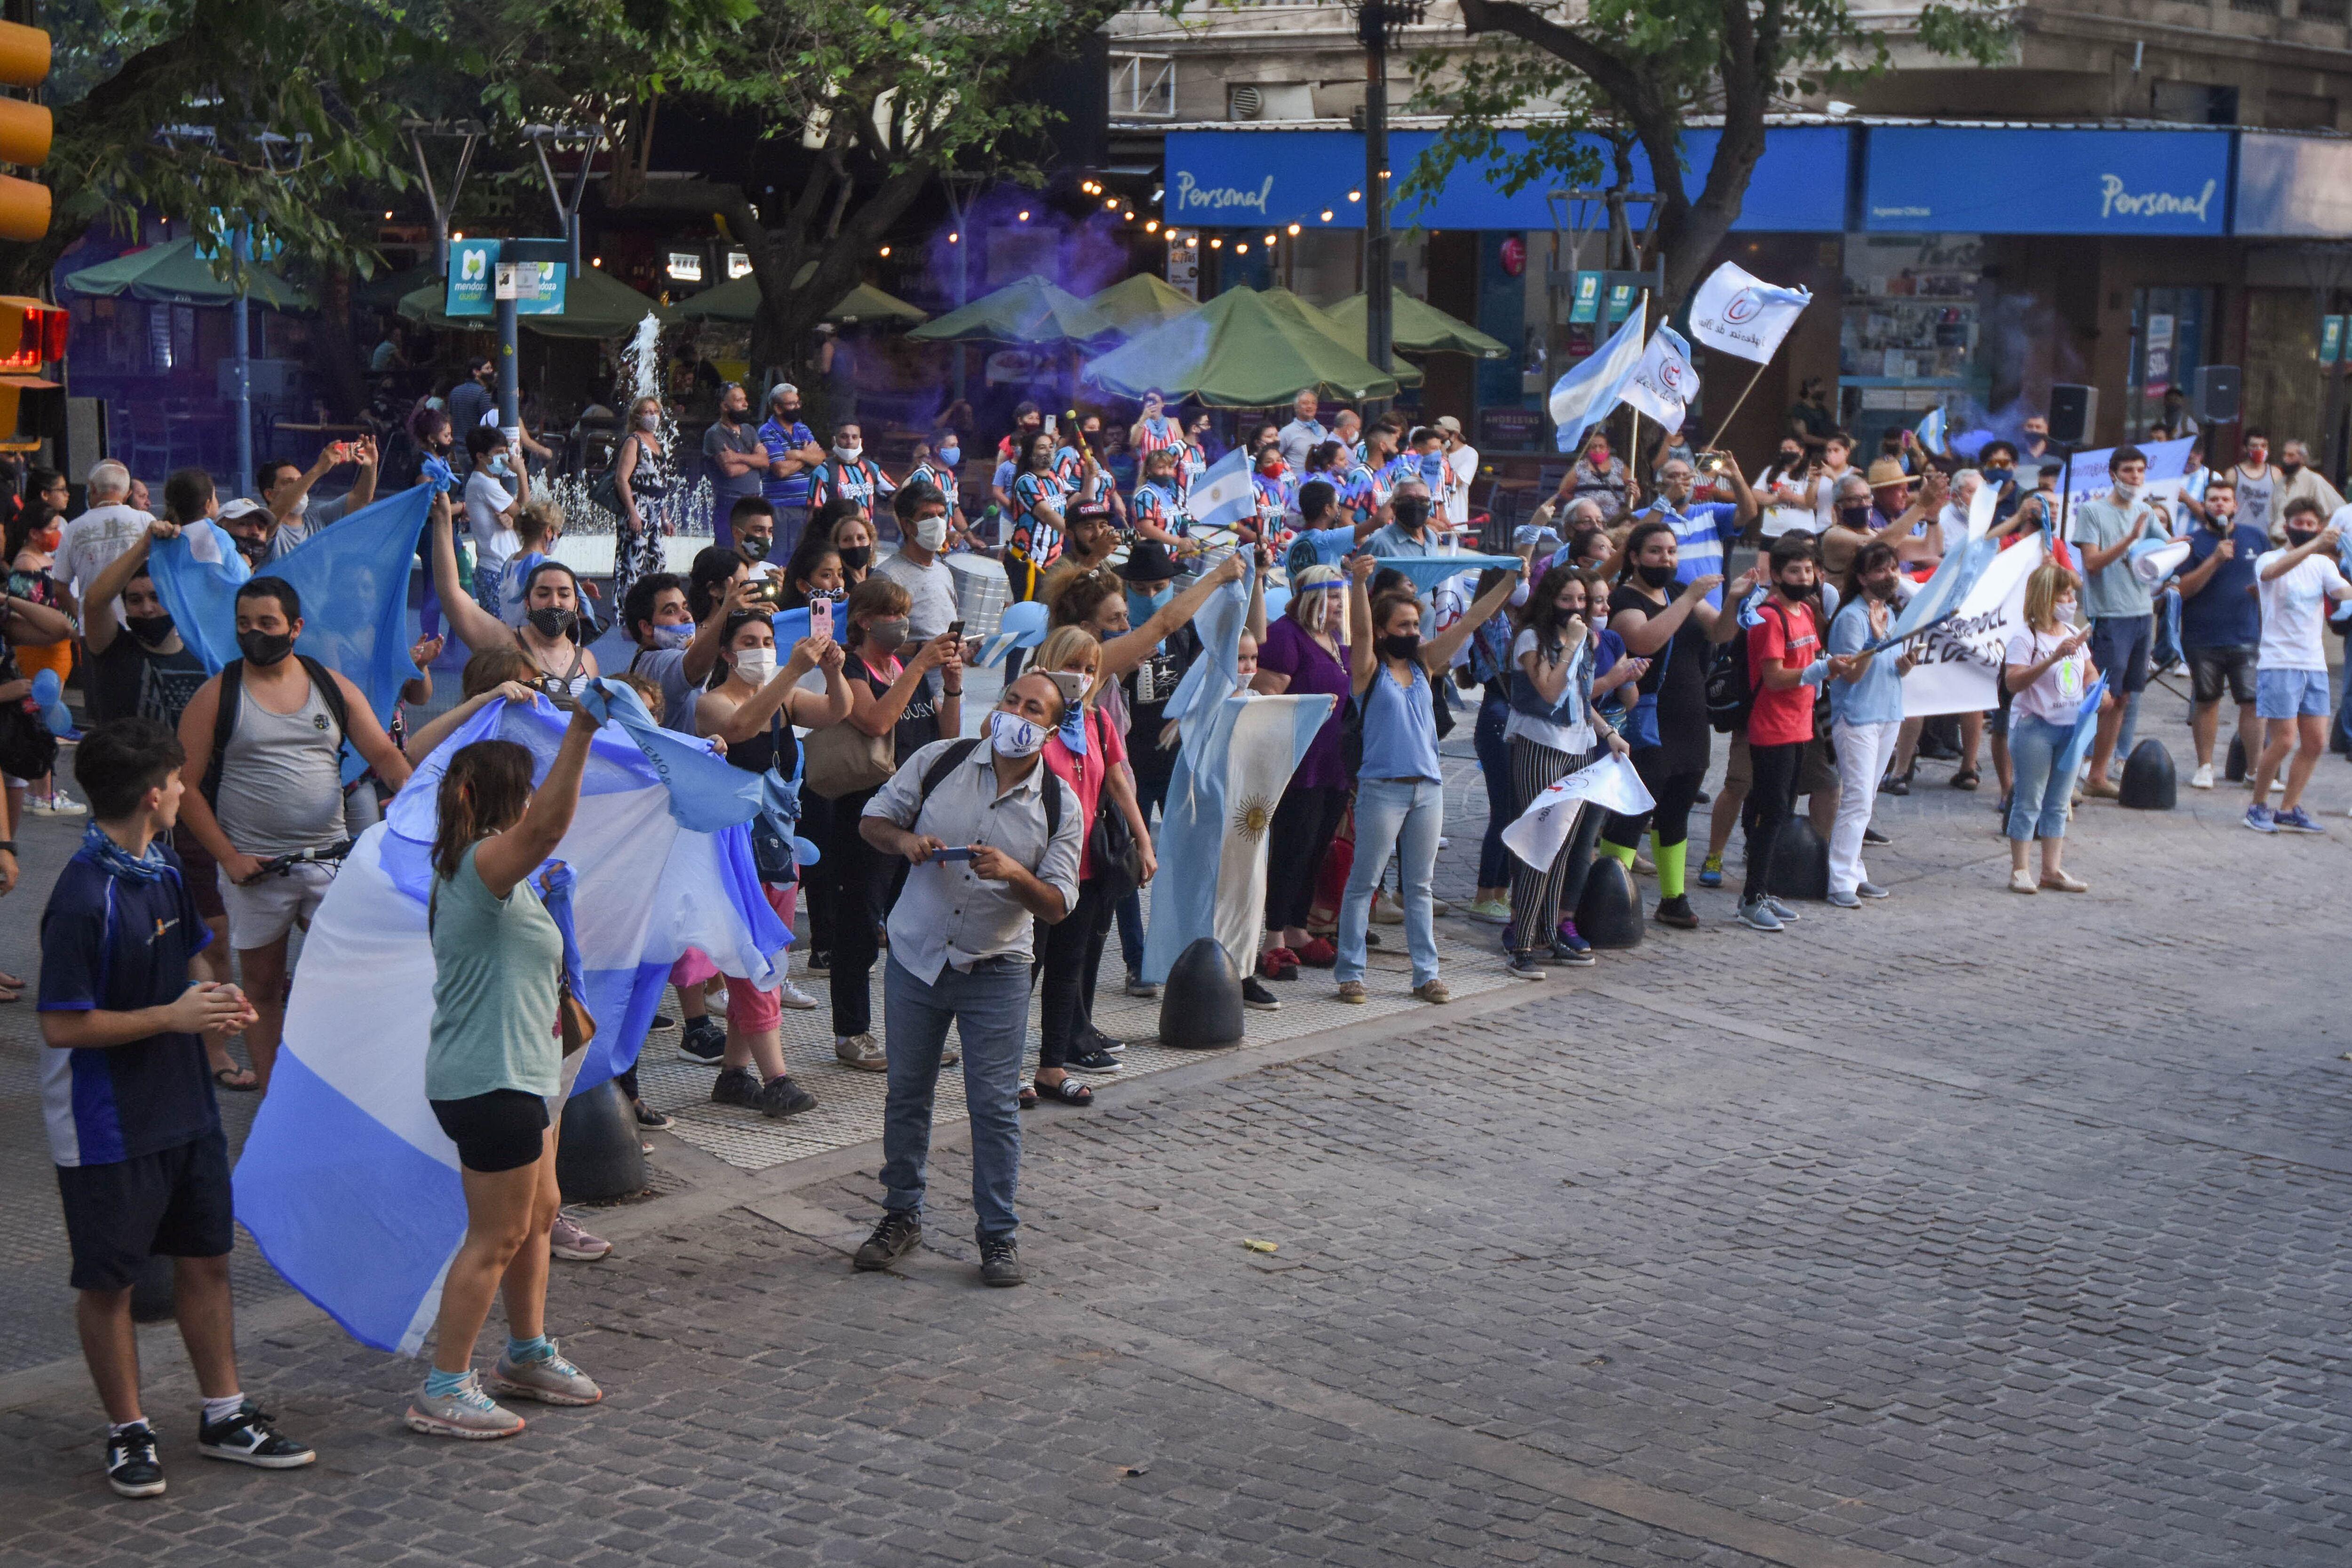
x=673, y=636
x=950, y=456
x=502, y=467
x=1433, y=469
x=1143, y=607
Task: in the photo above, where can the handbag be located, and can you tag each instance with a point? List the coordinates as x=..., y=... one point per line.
x=27, y=749
x=1641, y=726
x=606, y=491
x=842, y=759
x=771, y=831
x=572, y=1018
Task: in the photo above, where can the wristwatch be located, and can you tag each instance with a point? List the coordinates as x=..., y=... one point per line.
x=9, y=845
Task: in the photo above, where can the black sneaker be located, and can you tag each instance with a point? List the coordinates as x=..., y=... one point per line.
x=1676, y=912
x=703, y=1040
x=1873, y=836
x=1255, y=994
x=246, y=1439
x=782, y=1097
x=819, y=961
x=736, y=1086
x=663, y=1021
x=894, y=1237
x=648, y=1118
x=1095, y=1060
x=1000, y=1261
x=132, y=1466
x=1098, y=1040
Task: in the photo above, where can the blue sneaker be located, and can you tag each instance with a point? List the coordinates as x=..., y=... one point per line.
x=1781, y=907
x=2296, y=820
x=1565, y=937
x=1758, y=916
x=2260, y=818
x=1710, y=871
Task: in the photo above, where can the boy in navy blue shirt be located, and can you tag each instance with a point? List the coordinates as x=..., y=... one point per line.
x=142, y=1165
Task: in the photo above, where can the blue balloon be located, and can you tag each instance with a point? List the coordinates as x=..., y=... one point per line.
x=48, y=695
x=1025, y=623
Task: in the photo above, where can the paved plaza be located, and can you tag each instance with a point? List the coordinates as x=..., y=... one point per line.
x=1961, y=1229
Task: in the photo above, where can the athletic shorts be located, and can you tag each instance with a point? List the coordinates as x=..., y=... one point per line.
x=174, y=1203
x=499, y=1130
x=1817, y=770
x=262, y=911
x=2212, y=669
x=2291, y=694
x=203, y=872
x=2120, y=647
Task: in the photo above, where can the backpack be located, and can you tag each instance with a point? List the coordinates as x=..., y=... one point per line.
x=232, y=698
x=1730, y=694
x=947, y=761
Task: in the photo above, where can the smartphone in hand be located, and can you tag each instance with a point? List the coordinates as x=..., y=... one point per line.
x=820, y=617
x=952, y=852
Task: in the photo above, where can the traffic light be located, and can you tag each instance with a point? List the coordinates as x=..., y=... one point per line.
x=33, y=336
x=24, y=130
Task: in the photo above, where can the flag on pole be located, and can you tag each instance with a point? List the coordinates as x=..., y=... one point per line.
x=1224, y=497
x=1590, y=392
x=347, y=1181
x=2153, y=561
x=1664, y=385
x=1741, y=314
x=1609, y=784
x=352, y=579
x=1426, y=571
x=1931, y=432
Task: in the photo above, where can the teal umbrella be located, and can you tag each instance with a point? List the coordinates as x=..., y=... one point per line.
x=174, y=274
x=1031, y=311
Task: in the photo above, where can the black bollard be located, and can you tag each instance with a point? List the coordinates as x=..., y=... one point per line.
x=1201, y=1005
x=2149, y=782
x=597, y=1154
x=2236, y=770
x=1800, y=860
x=1610, y=912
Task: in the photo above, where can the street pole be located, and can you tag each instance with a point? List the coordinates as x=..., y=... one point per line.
x=1380, y=271
x=509, y=378
x=240, y=319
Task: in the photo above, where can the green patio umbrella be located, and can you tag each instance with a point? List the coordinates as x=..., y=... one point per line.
x=595, y=306
x=1031, y=311
x=1241, y=349
x=739, y=300
x=1143, y=302
x=173, y=274
x=1420, y=328
x=385, y=290
x=1298, y=305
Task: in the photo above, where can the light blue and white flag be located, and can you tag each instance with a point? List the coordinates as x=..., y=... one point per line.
x=1224, y=497
x=1664, y=385
x=1021, y=626
x=1590, y=392
x=1943, y=592
x=1237, y=759
x=1739, y=313
x=347, y=1181
x=1537, y=834
x=2156, y=557
x=1426, y=571
x=1931, y=432
x=352, y=579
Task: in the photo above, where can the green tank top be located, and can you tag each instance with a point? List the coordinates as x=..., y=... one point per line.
x=494, y=991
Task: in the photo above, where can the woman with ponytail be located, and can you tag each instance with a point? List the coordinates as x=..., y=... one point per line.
x=493, y=1065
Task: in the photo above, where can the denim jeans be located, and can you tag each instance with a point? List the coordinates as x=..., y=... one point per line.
x=2037, y=807
x=1403, y=817
x=1495, y=868
x=990, y=1008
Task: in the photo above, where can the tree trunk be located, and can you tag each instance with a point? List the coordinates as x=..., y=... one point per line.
x=346, y=391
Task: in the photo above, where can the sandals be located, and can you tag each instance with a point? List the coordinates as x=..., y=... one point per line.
x=1068, y=1092
x=223, y=1076
x=1966, y=779
x=1318, y=954
x=1028, y=1098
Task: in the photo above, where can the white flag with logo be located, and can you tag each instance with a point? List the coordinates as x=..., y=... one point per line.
x=1961, y=659
x=1611, y=784
x=1664, y=385
x=1741, y=314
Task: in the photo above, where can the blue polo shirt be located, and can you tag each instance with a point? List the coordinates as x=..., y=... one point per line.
x=2223, y=613
x=117, y=945
x=780, y=443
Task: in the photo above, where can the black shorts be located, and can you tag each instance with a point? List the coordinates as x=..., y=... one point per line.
x=2120, y=646
x=174, y=1203
x=2212, y=669
x=499, y=1130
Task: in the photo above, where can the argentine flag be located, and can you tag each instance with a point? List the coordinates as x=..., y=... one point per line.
x=1931, y=432
x=1590, y=392
x=1224, y=497
x=347, y=1181
x=352, y=579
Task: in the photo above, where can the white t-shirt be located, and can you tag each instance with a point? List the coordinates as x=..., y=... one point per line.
x=2057, y=697
x=1575, y=738
x=485, y=499
x=88, y=542
x=1464, y=461
x=2293, y=604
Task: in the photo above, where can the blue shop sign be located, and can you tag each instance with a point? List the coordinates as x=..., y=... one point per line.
x=1238, y=178
x=2294, y=185
x=1993, y=180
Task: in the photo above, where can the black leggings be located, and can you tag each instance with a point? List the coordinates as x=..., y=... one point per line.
x=1771, y=796
x=860, y=885
x=1306, y=820
x=1675, y=794
x=1073, y=954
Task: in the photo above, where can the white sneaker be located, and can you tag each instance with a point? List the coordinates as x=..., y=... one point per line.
x=790, y=996
x=858, y=1050
x=1386, y=911
x=61, y=804
x=2203, y=778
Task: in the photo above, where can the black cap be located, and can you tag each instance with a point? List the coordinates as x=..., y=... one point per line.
x=1148, y=560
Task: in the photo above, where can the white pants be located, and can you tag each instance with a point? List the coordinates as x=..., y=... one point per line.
x=1863, y=751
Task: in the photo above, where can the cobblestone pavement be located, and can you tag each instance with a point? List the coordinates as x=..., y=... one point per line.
x=1963, y=1229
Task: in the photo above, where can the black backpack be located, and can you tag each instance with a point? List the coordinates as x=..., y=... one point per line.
x=1730, y=694
x=232, y=698
x=953, y=757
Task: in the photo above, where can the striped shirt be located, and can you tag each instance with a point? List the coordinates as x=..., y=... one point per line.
x=860, y=482
x=1037, y=535
x=1702, y=533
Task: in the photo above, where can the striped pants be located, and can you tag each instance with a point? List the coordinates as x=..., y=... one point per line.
x=1537, y=895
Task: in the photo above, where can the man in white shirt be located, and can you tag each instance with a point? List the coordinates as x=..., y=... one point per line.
x=1463, y=459
x=490, y=505
x=1303, y=434
x=91, y=540
x=921, y=509
x=2295, y=585
x=1952, y=522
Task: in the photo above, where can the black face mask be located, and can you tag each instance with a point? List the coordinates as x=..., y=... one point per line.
x=152, y=629
x=1855, y=517
x=553, y=620
x=2296, y=537
x=264, y=648
x=1410, y=515
x=1791, y=459
x=254, y=550
x=1400, y=645
x=855, y=557
x=1655, y=576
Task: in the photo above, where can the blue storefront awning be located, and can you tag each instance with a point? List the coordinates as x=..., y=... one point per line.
x=1955, y=178
x=1237, y=179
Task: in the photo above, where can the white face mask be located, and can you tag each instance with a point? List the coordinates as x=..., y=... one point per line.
x=1014, y=735
x=2069, y=612
x=648, y=421
x=756, y=664
x=930, y=532
x=301, y=504
x=849, y=453
x=2126, y=492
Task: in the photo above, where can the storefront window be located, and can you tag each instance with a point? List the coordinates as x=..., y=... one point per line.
x=2167, y=345
x=1907, y=340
